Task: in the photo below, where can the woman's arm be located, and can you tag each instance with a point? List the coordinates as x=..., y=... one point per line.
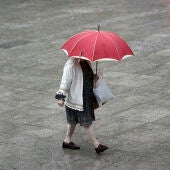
x=66, y=79
x=65, y=84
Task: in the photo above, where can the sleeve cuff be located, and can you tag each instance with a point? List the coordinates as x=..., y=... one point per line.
x=60, y=95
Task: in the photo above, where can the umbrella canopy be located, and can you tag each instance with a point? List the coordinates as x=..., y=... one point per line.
x=95, y=45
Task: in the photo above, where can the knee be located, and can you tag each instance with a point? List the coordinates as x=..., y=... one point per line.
x=71, y=126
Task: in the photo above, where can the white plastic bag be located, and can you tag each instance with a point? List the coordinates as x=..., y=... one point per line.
x=102, y=92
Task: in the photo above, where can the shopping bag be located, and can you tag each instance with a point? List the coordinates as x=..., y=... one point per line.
x=102, y=92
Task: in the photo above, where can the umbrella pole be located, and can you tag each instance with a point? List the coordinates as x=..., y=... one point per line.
x=96, y=66
x=97, y=61
x=95, y=80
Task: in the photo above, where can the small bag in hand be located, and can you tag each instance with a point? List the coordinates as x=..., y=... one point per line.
x=102, y=92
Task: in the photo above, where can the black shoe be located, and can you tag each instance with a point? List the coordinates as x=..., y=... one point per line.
x=101, y=148
x=70, y=145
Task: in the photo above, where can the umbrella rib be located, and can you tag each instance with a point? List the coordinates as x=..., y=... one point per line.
x=95, y=45
x=78, y=42
x=131, y=54
x=114, y=45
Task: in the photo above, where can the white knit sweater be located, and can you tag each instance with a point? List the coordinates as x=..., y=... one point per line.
x=72, y=84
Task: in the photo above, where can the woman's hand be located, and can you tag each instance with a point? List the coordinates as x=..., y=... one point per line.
x=60, y=103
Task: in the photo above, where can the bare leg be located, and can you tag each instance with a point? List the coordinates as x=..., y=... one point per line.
x=70, y=131
x=90, y=132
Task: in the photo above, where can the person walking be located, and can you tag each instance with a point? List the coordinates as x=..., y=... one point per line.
x=76, y=93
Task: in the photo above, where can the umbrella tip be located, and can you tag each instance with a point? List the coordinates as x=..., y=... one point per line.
x=98, y=27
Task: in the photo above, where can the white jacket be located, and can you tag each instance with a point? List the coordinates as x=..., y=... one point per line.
x=72, y=84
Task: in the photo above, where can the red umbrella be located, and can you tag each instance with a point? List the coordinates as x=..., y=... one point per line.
x=95, y=45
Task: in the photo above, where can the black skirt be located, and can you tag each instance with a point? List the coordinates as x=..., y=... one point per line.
x=86, y=116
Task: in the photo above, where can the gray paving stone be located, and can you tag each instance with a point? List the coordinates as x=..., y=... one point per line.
x=15, y=43
x=165, y=121
x=57, y=121
x=116, y=126
x=135, y=124
x=27, y=114
x=157, y=158
x=142, y=138
x=152, y=113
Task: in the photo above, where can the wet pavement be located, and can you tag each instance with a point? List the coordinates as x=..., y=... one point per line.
x=135, y=125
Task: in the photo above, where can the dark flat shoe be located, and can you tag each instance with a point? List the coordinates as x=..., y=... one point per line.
x=101, y=148
x=70, y=145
